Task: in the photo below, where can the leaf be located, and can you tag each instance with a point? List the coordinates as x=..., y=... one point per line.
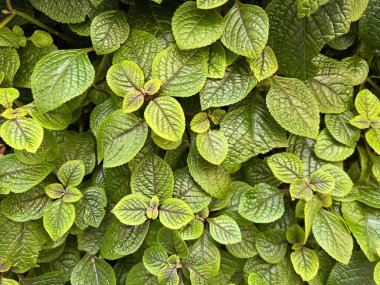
x=116, y=132
x=139, y=275
x=343, y=183
x=124, y=77
x=41, y=39
x=212, y=146
x=109, y=30
x=22, y=133
x=271, y=245
x=340, y=128
x=175, y=213
x=168, y=275
x=327, y=148
x=200, y=123
x=293, y=106
x=330, y=231
x=7, y=96
x=100, y=112
x=18, y=177
x=71, y=172
x=286, y=166
x=357, y=66
x=237, y=82
x=172, y=242
x=297, y=41
x=51, y=278
x=262, y=204
x=300, y=188
x=182, y=73
x=368, y=28
x=295, y=234
x=361, y=220
x=217, y=62
x=246, y=248
x=305, y=262
x=9, y=64
x=92, y=270
x=209, y=4
x=224, y=229
x=140, y=47
x=57, y=119
x=166, y=118
x=164, y=143
x=246, y=30
x=58, y=218
x=367, y=104
x=153, y=176
x=8, y=38
x=373, y=139
x=308, y=7
x=61, y=76
x=322, y=182
x=186, y=189
x=131, y=210
x=264, y=66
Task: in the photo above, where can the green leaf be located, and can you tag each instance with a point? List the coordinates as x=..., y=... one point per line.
x=373, y=139
x=139, y=275
x=8, y=38
x=19, y=177
x=343, y=183
x=254, y=279
x=332, y=234
x=217, y=62
x=153, y=176
x=311, y=210
x=286, y=166
x=57, y=119
x=175, y=213
x=186, y=189
x=182, y=73
x=7, y=96
x=172, y=242
x=367, y=104
x=152, y=86
x=271, y=245
x=360, y=122
x=71, y=172
x=72, y=194
x=209, y=4
x=262, y=204
x=357, y=66
x=368, y=27
x=213, y=179
x=5, y=264
x=327, y=148
x=195, y=28
x=92, y=270
x=293, y=106
x=169, y=276
x=51, y=278
x=41, y=39
x=305, y=262
x=192, y=231
x=300, y=188
x=212, y=146
x=200, y=123
x=295, y=234
x=108, y=31
x=116, y=132
x=55, y=190
x=7, y=281
x=164, y=143
x=9, y=64
x=125, y=76
x=376, y=273
x=308, y=7
x=21, y=243
x=155, y=259
x=61, y=76
x=237, y=82
x=246, y=248
x=340, y=128
x=58, y=218
x=264, y=66
x=140, y=47
x=166, y=118
x=246, y=30
x=22, y=133
x=361, y=220
x=297, y=41
x=224, y=229
x=322, y=182
x=131, y=210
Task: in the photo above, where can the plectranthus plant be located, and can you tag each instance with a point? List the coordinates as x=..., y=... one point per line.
x=174, y=142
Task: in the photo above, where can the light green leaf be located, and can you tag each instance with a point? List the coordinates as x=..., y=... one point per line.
x=8, y=38
x=22, y=133
x=305, y=262
x=360, y=122
x=57, y=119
x=58, y=218
x=131, y=210
x=18, y=177
x=327, y=148
x=367, y=104
x=361, y=220
x=152, y=86
x=175, y=213
x=224, y=229
x=125, y=76
x=60, y=76
x=7, y=96
x=286, y=166
x=293, y=106
x=139, y=275
x=169, y=276
x=340, y=128
x=213, y=179
x=186, y=189
x=166, y=118
x=373, y=139
x=164, y=143
x=195, y=28
x=310, y=211
x=295, y=234
x=376, y=273
x=71, y=172
x=182, y=73
x=153, y=176
x=271, y=245
x=140, y=47
x=262, y=204
x=155, y=259
x=212, y=146
x=217, y=62
x=21, y=243
x=117, y=132
x=55, y=190
x=343, y=183
x=357, y=66
x=9, y=64
x=357, y=9
x=308, y=7
x=264, y=66
x=246, y=30
x=246, y=248
x=5, y=264
x=72, y=194
x=237, y=82
x=41, y=39
x=368, y=25
x=332, y=234
x=300, y=188
x=172, y=242
x=209, y=4
x=192, y=231
x=92, y=270
x=200, y=123
x=100, y=112
x=254, y=279
x=51, y=278
x=322, y=181
x=109, y=30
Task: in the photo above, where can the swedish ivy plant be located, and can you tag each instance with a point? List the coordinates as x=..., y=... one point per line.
x=150, y=142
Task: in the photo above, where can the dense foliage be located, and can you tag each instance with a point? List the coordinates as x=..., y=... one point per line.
x=190, y=142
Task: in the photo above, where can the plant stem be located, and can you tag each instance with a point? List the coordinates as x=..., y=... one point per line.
x=102, y=66
x=7, y=19
x=9, y=5
x=374, y=85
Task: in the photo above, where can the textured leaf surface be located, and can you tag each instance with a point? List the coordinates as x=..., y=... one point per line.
x=327, y=148
x=246, y=248
x=308, y=7
x=209, y=4
x=224, y=229
x=265, y=65
x=212, y=146
x=340, y=128
x=271, y=245
x=217, y=62
x=305, y=262
x=131, y=209
x=369, y=24
x=172, y=242
x=60, y=76
x=9, y=64
x=175, y=213
x=58, y=218
x=286, y=166
x=343, y=183
x=71, y=172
